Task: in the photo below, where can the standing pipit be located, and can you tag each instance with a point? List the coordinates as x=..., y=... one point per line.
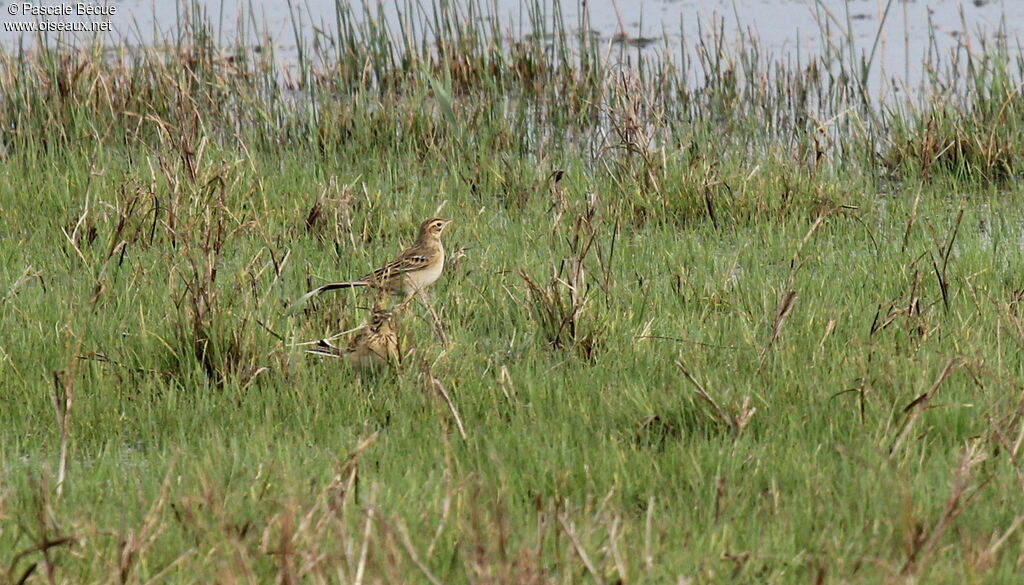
x=376, y=345
x=416, y=268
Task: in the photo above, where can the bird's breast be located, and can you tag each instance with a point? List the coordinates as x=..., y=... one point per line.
x=425, y=277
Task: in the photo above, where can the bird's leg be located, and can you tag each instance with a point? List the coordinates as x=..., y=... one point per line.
x=438, y=325
x=405, y=302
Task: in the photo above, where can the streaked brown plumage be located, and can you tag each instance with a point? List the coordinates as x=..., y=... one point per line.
x=416, y=268
x=376, y=344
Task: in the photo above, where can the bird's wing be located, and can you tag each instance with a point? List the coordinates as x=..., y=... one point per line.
x=357, y=341
x=408, y=261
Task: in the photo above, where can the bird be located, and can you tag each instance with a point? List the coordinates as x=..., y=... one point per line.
x=376, y=344
x=416, y=268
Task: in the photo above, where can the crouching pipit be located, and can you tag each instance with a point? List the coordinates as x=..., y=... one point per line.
x=376, y=344
x=416, y=268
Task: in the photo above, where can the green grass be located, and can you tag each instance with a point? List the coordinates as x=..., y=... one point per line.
x=677, y=420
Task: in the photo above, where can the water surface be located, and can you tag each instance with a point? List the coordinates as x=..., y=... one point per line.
x=900, y=33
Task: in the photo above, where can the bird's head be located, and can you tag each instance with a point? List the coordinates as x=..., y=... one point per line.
x=433, y=227
x=379, y=317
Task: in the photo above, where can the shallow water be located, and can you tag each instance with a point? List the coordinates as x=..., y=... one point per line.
x=787, y=30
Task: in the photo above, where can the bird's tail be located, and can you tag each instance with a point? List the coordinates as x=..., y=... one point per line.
x=325, y=348
x=327, y=287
